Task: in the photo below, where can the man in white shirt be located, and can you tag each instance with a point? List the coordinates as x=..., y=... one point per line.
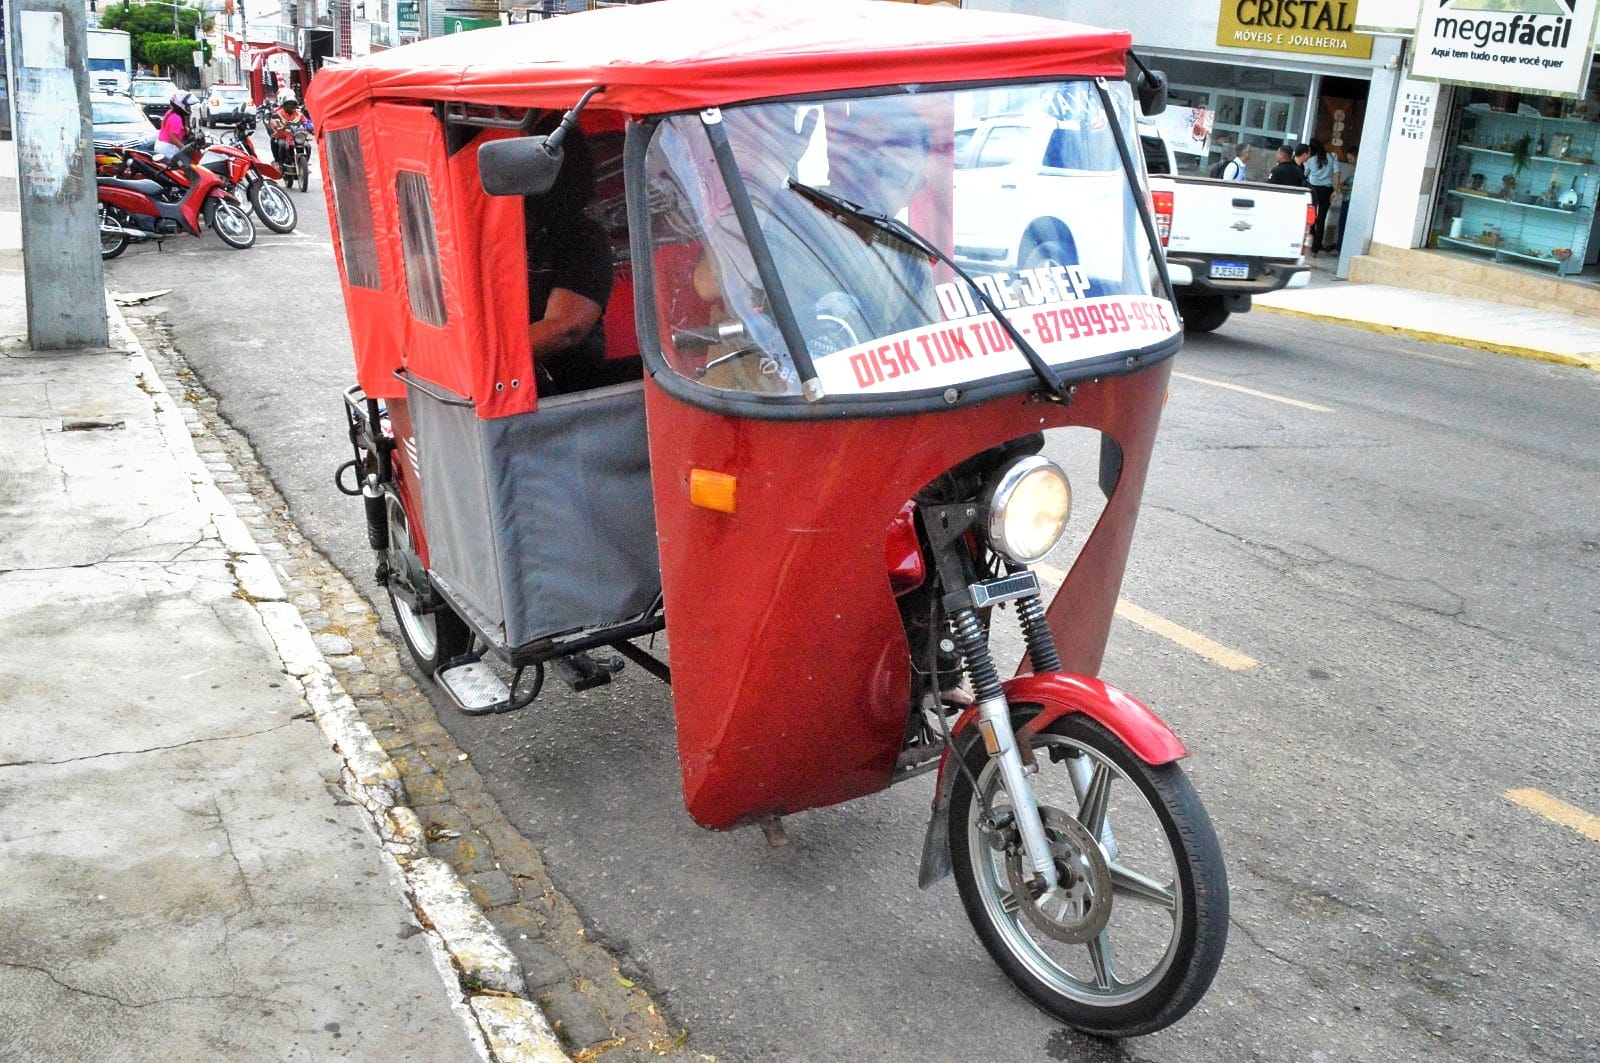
x=1239, y=168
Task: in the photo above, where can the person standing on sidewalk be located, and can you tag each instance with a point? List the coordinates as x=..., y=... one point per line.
x=1239, y=168
x=1287, y=171
x=1322, y=174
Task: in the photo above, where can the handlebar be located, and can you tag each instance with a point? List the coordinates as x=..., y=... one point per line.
x=693, y=339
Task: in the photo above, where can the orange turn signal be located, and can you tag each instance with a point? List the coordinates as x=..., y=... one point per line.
x=712, y=490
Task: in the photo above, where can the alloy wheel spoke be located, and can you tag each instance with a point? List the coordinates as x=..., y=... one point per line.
x=1105, y=974
x=1130, y=884
x=1096, y=798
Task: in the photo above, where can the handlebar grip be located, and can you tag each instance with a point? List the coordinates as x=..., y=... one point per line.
x=691, y=339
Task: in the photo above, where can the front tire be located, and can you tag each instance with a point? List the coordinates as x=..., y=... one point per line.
x=273, y=206
x=1115, y=963
x=1202, y=313
x=231, y=223
x=305, y=173
x=433, y=638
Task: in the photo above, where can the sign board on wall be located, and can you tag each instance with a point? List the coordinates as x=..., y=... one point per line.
x=1540, y=46
x=1308, y=27
x=1392, y=17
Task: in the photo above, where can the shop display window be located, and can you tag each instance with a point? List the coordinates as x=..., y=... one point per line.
x=1520, y=182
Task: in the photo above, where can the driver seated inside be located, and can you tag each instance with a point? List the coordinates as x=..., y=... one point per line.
x=569, y=281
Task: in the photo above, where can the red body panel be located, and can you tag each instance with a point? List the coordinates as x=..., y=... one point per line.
x=790, y=670
x=1059, y=693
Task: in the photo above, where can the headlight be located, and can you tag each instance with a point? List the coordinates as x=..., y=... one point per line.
x=1026, y=509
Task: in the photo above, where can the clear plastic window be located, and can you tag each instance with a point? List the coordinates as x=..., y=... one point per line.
x=1052, y=237
x=352, y=208
x=420, y=245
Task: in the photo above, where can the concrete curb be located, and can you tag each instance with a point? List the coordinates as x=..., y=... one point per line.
x=481, y=974
x=1429, y=336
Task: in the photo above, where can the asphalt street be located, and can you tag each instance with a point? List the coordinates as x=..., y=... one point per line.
x=1364, y=589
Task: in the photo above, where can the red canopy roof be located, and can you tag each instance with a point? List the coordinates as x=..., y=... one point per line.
x=678, y=55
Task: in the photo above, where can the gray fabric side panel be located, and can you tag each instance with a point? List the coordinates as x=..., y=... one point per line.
x=573, y=514
x=455, y=499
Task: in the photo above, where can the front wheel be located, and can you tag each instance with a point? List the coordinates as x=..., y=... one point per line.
x=273, y=206
x=1132, y=937
x=232, y=223
x=433, y=638
x=304, y=167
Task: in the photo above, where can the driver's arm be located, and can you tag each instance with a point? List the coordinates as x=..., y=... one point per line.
x=568, y=317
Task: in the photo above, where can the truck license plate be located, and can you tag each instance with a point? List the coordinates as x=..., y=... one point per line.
x=1230, y=271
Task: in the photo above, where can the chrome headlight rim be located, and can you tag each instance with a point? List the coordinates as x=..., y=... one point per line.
x=1002, y=494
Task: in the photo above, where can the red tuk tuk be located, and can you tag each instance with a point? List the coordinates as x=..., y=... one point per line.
x=810, y=451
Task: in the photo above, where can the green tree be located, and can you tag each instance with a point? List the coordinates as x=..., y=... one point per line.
x=150, y=27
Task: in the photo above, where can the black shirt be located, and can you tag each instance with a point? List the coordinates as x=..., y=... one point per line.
x=578, y=259
x=1287, y=173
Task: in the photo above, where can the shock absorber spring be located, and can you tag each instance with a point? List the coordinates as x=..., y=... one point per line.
x=1041, y=644
x=972, y=644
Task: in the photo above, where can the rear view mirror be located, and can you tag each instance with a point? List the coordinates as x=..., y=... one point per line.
x=1151, y=88
x=520, y=166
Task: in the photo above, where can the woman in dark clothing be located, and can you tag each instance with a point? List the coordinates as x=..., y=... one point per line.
x=1322, y=174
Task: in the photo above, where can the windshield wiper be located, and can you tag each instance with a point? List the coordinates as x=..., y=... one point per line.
x=832, y=204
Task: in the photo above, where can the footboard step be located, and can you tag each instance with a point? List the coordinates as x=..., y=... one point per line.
x=475, y=689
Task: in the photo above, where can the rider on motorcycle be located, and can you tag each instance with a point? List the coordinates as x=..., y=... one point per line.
x=175, y=124
x=281, y=124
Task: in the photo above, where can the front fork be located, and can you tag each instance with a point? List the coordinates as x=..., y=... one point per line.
x=947, y=528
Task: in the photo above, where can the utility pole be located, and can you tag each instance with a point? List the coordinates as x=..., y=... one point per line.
x=55, y=174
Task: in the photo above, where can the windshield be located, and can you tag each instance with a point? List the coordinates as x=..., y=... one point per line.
x=153, y=90
x=116, y=112
x=1022, y=187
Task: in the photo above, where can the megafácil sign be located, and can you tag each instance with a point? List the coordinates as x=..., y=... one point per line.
x=1541, y=46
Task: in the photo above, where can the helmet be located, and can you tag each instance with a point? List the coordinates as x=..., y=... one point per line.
x=289, y=103
x=182, y=101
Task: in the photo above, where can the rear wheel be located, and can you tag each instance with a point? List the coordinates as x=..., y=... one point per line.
x=433, y=638
x=112, y=242
x=232, y=223
x=1048, y=245
x=1202, y=313
x=273, y=206
x=1132, y=937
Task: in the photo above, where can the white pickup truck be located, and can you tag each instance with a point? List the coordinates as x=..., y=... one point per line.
x=1025, y=199
x=1226, y=241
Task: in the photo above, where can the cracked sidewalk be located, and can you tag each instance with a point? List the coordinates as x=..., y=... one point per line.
x=188, y=872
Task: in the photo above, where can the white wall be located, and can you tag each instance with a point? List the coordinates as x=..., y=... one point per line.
x=1409, y=166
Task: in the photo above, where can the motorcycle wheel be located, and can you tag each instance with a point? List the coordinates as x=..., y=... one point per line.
x=1133, y=940
x=305, y=173
x=433, y=638
x=112, y=244
x=273, y=206
x=232, y=223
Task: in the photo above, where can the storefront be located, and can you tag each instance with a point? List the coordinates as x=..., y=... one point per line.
x=1518, y=180
x=1498, y=126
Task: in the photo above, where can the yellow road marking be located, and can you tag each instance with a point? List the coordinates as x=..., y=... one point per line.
x=1193, y=641
x=1256, y=394
x=1557, y=811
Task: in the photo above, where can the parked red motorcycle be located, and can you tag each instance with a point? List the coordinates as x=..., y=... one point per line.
x=235, y=161
x=145, y=200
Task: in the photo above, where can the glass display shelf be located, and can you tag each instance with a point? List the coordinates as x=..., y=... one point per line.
x=1500, y=202
x=1532, y=159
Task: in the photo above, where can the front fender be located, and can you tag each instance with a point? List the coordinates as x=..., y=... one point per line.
x=1056, y=694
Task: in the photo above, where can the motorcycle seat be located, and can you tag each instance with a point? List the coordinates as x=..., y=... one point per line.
x=149, y=188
